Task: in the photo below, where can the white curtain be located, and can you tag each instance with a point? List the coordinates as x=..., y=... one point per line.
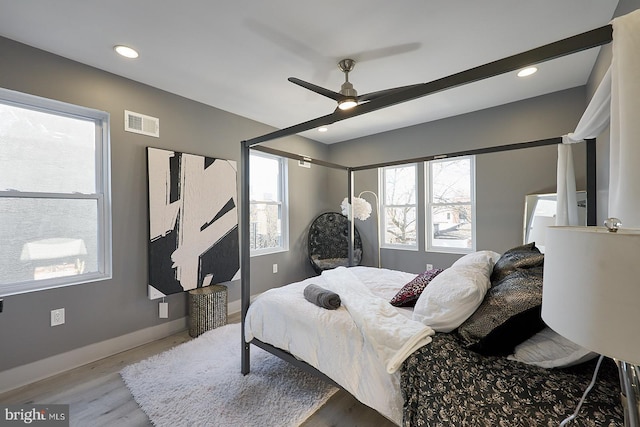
x=616, y=102
x=566, y=205
x=624, y=166
x=594, y=120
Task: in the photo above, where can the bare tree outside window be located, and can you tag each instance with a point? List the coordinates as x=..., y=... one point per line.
x=450, y=205
x=400, y=208
x=265, y=226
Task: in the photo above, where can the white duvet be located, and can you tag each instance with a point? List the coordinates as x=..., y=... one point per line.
x=347, y=347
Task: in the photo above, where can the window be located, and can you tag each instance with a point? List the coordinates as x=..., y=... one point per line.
x=399, y=206
x=55, y=220
x=268, y=210
x=451, y=204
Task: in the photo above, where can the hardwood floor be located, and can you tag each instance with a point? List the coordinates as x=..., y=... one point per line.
x=97, y=396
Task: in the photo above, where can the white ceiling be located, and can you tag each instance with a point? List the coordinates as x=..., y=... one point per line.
x=236, y=55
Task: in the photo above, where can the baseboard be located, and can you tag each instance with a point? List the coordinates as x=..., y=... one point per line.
x=234, y=307
x=41, y=369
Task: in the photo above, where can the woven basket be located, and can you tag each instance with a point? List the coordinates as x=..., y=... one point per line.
x=207, y=309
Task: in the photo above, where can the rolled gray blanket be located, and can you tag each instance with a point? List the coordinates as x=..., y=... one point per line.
x=322, y=297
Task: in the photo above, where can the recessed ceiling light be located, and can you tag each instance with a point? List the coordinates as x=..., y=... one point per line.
x=527, y=71
x=323, y=129
x=126, y=51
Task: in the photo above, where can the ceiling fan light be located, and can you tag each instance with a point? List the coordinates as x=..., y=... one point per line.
x=346, y=104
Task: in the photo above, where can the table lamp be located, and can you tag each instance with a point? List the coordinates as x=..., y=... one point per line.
x=591, y=295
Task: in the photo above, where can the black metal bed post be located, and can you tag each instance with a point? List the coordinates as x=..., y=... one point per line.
x=592, y=215
x=350, y=178
x=245, y=264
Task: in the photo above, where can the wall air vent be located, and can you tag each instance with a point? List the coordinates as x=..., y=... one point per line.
x=139, y=123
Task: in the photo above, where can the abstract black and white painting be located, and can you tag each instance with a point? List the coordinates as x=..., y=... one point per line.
x=193, y=221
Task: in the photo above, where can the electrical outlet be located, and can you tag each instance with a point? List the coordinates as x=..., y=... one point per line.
x=57, y=317
x=275, y=268
x=429, y=266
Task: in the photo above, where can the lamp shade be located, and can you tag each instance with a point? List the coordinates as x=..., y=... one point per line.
x=591, y=289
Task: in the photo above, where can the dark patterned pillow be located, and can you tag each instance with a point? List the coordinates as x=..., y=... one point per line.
x=508, y=315
x=525, y=256
x=409, y=294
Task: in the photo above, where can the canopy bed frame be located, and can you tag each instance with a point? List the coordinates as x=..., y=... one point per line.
x=584, y=41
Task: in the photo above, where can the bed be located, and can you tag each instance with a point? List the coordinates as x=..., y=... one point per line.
x=448, y=375
x=466, y=370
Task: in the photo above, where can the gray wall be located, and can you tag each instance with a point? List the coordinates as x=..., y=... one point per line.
x=502, y=179
x=108, y=309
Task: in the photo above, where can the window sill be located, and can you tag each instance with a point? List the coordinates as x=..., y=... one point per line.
x=47, y=284
x=459, y=251
x=268, y=252
x=401, y=248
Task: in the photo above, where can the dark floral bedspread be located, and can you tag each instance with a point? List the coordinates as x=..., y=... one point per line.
x=446, y=385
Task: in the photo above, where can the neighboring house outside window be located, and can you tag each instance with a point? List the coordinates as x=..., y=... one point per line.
x=451, y=204
x=268, y=198
x=55, y=209
x=399, y=210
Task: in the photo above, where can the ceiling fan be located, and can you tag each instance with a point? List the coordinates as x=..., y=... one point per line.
x=347, y=97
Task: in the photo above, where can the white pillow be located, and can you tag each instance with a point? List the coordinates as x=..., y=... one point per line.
x=456, y=293
x=549, y=349
x=486, y=258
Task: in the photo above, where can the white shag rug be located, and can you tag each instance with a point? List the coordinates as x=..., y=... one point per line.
x=199, y=383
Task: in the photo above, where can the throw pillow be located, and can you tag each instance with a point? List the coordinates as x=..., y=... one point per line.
x=486, y=259
x=454, y=294
x=508, y=315
x=549, y=349
x=525, y=256
x=409, y=294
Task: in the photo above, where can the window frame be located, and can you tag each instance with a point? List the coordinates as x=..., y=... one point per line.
x=102, y=195
x=283, y=196
x=383, y=208
x=429, y=246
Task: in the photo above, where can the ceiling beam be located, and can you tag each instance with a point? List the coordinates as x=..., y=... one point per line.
x=474, y=152
x=299, y=157
x=577, y=43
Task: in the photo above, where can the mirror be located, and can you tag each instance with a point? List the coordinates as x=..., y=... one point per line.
x=540, y=213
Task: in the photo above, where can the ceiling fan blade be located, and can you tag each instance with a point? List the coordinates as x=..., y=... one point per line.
x=384, y=52
x=317, y=89
x=378, y=94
